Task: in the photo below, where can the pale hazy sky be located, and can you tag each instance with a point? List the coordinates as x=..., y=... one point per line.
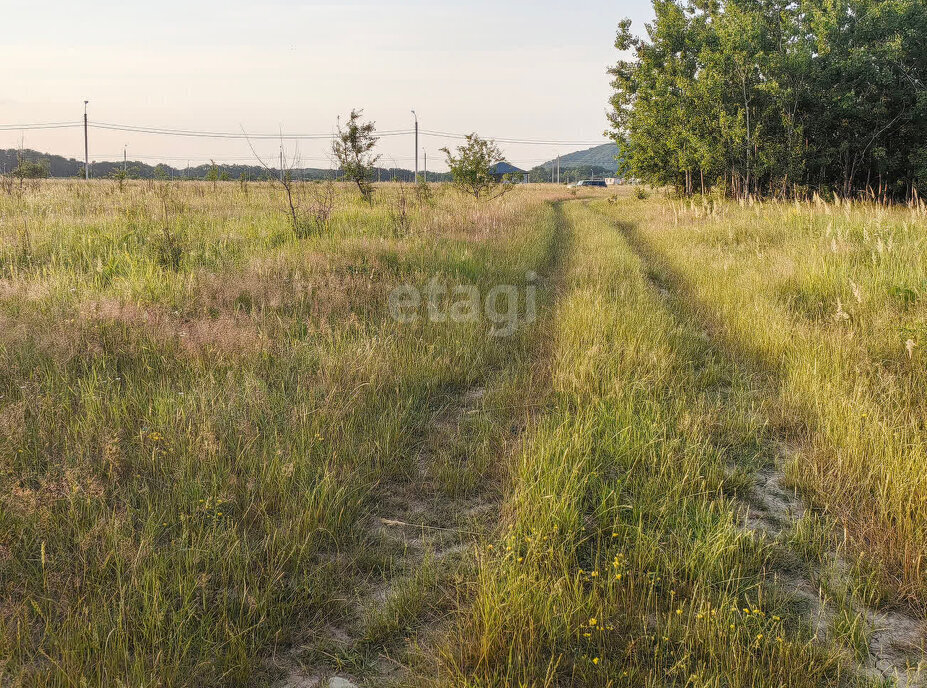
x=511, y=68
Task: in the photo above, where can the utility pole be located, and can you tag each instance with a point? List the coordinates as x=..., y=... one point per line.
x=281, y=162
x=125, y=158
x=558, y=169
x=425, y=153
x=86, y=146
x=416, y=145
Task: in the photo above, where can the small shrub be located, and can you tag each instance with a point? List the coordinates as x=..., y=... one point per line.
x=171, y=249
x=26, y=172
x=170, y=243
x=321, y=205
x=472, y=168
x=423, y=193
x=400, y=217
x=353, y=149
x=119, y=178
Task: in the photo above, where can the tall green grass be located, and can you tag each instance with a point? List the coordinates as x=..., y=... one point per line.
x=189, y=451
x=623, y=559
x=831, y=300
x=202, y=413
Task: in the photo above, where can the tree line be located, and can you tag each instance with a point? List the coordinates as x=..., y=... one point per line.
x=776, y=97
x=40, y=164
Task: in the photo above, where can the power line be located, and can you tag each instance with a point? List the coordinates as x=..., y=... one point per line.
x=165, y=131
x=231, y=160
x=226, y=135
x=222, y=160
x=502, y=139
x=41, y=125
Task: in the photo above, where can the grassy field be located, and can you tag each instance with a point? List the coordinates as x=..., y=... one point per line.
x=830, y=301
x=697, y=459
x=705, y=378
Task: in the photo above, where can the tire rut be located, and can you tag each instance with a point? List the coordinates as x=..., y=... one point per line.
x=895, y=647
x=420, y=529
x=420, y=524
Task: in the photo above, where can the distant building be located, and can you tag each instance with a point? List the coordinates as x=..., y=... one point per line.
x=500, y=169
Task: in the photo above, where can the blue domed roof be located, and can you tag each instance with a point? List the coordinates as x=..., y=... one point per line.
x=505, y=168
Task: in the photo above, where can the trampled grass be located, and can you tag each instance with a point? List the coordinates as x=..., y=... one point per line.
x=223, y=462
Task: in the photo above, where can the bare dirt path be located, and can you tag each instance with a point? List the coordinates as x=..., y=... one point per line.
x=426, y=530
x=422, y=537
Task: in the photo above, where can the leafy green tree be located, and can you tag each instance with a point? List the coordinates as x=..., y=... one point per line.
x=119, y=176
x=472, y=167
x=212, y=174
x=353, y=149
x=538, y=175
x=768, y=97
x=25, y=171
x=31, y=169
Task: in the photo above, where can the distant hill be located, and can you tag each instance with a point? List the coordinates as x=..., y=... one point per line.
x=59, y=166
x=599, y=156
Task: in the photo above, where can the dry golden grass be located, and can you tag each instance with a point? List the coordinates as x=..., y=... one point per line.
x=198, y=421
x=831, y=302
x=223, y=463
